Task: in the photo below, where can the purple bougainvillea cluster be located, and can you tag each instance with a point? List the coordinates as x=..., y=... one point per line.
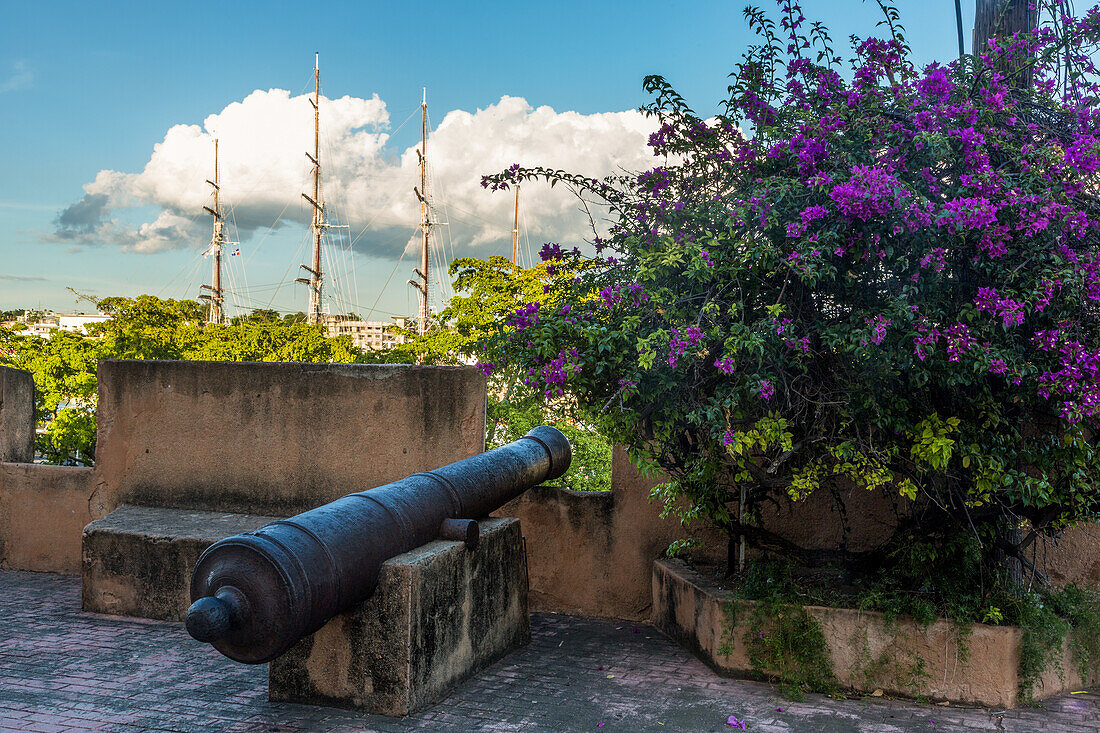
x=853, y=264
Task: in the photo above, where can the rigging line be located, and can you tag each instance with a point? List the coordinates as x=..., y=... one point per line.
x=351, y=283
x=137, y=275
x=297, y=255
x=337, y=294
x=494, y=224
x=194, y=278
x=236, y=265
x=183, y=269
x=270, y=229
x=526, y=253
x=350, y=261
x=382, y=291
x=396, y=172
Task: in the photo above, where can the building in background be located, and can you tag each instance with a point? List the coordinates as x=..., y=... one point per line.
x=44, y=323
x=372, y=335
x=77, y=323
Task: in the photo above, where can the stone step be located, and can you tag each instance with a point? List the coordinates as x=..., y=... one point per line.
x=137, y=561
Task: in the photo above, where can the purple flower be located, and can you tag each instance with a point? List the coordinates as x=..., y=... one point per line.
x=551, y=251
x=766, y=389
x=878, y=328
x=959, y=341
x=869, y=193
x=525, y=317
x=969, y=213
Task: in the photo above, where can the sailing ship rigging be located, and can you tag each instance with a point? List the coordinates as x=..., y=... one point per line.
x=422, y=282
x=318, y=270
x=216, y=297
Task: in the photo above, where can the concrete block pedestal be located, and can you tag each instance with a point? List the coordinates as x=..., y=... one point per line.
x=441, y=613
x=138, y=560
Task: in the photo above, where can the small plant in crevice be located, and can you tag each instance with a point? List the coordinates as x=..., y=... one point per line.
x=784, y=643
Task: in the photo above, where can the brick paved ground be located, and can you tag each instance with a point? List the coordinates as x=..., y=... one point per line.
x=63, y=670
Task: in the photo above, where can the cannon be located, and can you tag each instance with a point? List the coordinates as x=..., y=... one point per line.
x=254, y=595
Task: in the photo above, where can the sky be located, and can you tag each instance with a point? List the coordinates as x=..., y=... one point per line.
x=108, y=113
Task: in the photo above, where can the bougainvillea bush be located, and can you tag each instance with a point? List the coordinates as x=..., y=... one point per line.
x=861, y=271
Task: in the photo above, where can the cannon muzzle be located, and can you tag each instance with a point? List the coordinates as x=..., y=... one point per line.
x=255, y=595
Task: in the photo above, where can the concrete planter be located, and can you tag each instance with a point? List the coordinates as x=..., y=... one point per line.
x=963, y=663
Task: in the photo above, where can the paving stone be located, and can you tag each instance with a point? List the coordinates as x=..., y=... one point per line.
x=76, y=671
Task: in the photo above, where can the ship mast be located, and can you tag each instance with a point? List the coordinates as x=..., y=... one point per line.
x=313, y=316
x=216, y=296
x=421, y=283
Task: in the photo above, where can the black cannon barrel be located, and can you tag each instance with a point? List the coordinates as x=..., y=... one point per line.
x=255, y=595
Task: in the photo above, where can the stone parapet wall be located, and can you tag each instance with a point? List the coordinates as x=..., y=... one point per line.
x=278, y=438
x=274, y=439
x=43, y=510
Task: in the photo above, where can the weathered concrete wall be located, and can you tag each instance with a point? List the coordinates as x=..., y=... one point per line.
x=440, y=614
x=16, y=415
x=43, y=510
x=1072, y=558
x=591, y=554
x=977, y=664
x=272, y=439
x=277, y=438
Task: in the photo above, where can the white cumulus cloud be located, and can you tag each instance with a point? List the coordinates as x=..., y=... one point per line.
x=262, y=141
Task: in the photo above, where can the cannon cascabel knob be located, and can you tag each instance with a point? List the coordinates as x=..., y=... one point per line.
x=211, y=618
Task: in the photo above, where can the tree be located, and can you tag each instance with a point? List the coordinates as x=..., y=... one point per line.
x=487, y=293
x=146, y=327
x=270, y=342
x=891, y=280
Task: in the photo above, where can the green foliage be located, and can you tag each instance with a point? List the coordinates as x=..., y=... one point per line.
x=487, y=293
x=508, y=420
x=69, y=438
x=146, y=327
x=1048, y=620
x=266, y=315
x=784, y=643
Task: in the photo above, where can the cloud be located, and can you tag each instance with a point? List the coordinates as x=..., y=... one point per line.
x=21, y=77
x=367, y=183
x=83, y=217
x=21, y=279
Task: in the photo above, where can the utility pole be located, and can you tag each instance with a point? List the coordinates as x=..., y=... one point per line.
x=315, y=279
x=515, y=231
x=421, y=283
x=217, y=296
x=1004, y=18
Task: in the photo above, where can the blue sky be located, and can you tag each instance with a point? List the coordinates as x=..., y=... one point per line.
x=86, y=87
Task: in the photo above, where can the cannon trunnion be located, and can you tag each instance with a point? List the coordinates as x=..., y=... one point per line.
x=256, y=594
